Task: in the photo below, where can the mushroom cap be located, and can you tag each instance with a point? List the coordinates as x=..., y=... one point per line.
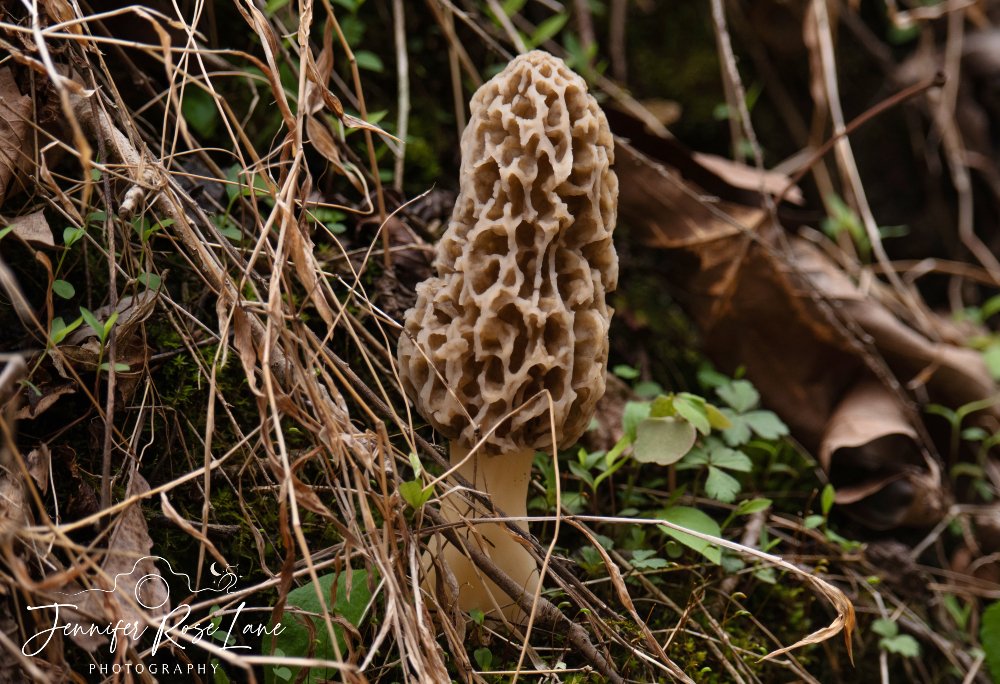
x=518, y=305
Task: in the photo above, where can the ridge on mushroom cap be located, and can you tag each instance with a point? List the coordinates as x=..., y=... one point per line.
x=518, y=305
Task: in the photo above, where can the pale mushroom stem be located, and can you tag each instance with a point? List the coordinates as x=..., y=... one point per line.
x=505, y=478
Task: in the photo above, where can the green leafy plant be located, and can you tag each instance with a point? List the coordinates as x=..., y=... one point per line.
x=646, y=559
x=820, y=520
x=415, y=493
x=63, y=289
x=956, y=417
x=545, y=30
x=218, y=632
x=331, y=219
x=304, y=632
x=219, y=674
x=842, y=219
x=149, y=280
x=748, y=507
x=692, y=519
x=984, y=312
x=894, y=642
x=61, y=329
x=671, y=425
x=687, y=430
x=200, y=111
x=237, y=187
x=71, y=235
x=625, y=372
x=145, y=229
x=989, y=636
x=989, y=346
x=591, y=561
x=368, y=60
x=723, y=111
x=745, y=417
x=573, y=502
x=103, y=331
x=826, y=497
x=593, y=468
x=959, y=611
x=484, y=658
x=717, y=458
x=976, y=437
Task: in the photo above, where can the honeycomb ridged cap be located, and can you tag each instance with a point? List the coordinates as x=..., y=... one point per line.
x=518, y=303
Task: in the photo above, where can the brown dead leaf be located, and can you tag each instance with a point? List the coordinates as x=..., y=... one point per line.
x=411, y=264
x=870, y=416
x=243, y=342
x=760, y=305
x=807, y=334
x=853, y=493
x=15, y=512
x=719, y=182
x=33, y=229
x=324, y=143
x=13, y=372
x=668, y=212
x=983, y=561
x=319, y=71
x=354, y=122
x=15, y=500
x=980, y=571
x=272, y=50
x=39, y=462
x=332, y=103
x=321, y=139
x=16, y=144
x=749, y=178
x=844, y=622
x=61, y=12
x=130, y=587
x=300, y=249
x=667, y=112
x=40, y=403
x=308, y=499
x=874, y=459
x=81, y=498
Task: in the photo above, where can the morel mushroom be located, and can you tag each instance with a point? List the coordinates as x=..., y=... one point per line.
x=511, y=337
